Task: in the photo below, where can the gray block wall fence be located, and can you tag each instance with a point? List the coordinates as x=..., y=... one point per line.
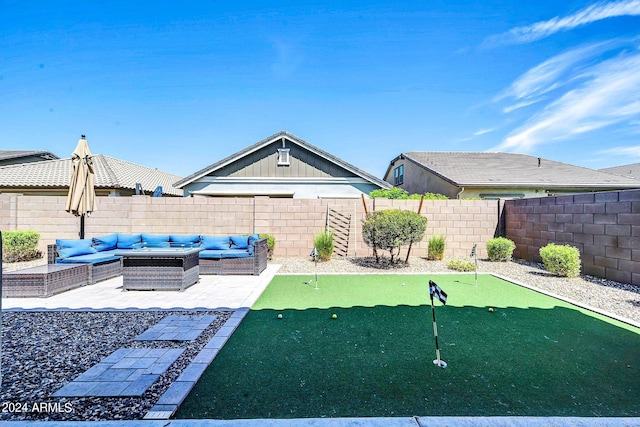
x=604, y=226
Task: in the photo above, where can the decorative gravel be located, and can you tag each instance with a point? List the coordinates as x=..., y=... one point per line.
x=620, y=299
x=44, y=350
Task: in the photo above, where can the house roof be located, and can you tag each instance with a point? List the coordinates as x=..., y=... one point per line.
x=629, y=171
x=109, y=173
x=273, y=138
x=16, y=154
x=484, y=169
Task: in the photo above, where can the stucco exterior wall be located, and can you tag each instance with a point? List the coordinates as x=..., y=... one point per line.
x=418, y=181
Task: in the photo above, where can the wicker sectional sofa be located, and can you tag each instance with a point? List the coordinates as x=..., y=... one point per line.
x=238, y=254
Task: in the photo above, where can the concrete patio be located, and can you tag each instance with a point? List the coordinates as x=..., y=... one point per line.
x=211, y=292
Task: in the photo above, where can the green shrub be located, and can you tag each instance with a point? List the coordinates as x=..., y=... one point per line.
x=461, y=265
x=434, y=196
x=563, y=260
x=500, y=249
x=400, y=194
x=392, y=228
x=20, y=245
x=323, y=242
x=436, y=247
x=271, y=244
x=393, y=193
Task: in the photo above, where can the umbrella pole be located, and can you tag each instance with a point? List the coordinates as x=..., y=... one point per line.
x=81, y=226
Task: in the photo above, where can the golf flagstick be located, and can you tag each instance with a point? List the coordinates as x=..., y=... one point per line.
x=314, y=255
x=442, y=296
x=474, y=255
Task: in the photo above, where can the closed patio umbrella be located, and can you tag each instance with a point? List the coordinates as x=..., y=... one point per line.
x=81, y=199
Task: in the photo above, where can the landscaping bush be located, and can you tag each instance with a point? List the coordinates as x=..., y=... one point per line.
x=461, y=265
x=392, y=228
x=563, y=260
x=436, y=247
x=271, y=244
x=500, y=249
x=323, y=242
x=400, y=194
x=20, y=246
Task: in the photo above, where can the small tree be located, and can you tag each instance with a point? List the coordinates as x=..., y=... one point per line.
x=392, y=228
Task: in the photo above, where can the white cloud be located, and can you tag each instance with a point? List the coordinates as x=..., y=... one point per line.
x=483, y=131
x=593, y=13
x=602, y=95
x=552, y=74
x=633, y=151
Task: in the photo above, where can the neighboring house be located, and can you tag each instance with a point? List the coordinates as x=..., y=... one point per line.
x=113, y=177
x=281, y=165
x=629, y=171
x=496, y=175
x=13, y=157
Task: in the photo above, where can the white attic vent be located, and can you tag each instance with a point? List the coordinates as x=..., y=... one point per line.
x=283, y=156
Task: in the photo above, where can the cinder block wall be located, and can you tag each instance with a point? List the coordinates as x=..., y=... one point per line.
x=293, y=222
x=605, y=227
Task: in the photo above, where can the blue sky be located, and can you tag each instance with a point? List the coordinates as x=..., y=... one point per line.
x=180, y=85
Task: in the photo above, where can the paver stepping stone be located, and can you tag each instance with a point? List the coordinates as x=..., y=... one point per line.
x=177, y=327
x=125, y=372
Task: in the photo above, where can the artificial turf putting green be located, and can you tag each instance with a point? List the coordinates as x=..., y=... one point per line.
x=534, y=355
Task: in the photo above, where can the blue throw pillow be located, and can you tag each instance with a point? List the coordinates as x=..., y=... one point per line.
x=105, y=243
x=252, y=240
x=69, y=248
x=239, y=242
x=126, y=241
x=215, y=242
x=190, y=238
x=155, y=240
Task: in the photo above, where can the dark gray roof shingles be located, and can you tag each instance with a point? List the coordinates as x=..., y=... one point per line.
x=511, y=170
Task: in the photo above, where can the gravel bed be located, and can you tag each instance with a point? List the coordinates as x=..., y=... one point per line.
x=620, y=299
x=44, y=350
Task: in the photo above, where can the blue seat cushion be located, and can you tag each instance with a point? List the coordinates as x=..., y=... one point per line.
x=216, y=242
x=189, y=238
x=236, y=253
x=126, y=241
x=93, y=258
x=239, y=242
x=69, y=248
x=211, y=254
x=155, y=240
x=105, y=243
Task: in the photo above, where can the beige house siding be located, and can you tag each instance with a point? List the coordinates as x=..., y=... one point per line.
x=264, y=163
x=418, y=181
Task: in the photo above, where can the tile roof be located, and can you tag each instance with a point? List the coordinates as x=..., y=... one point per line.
x=15, y=154
x=512, y=170
x=110, y=173
x=296, y=140
x=629, y=171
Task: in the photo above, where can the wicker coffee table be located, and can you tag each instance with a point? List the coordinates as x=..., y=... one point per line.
x=160, y=269
x=44, y=280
